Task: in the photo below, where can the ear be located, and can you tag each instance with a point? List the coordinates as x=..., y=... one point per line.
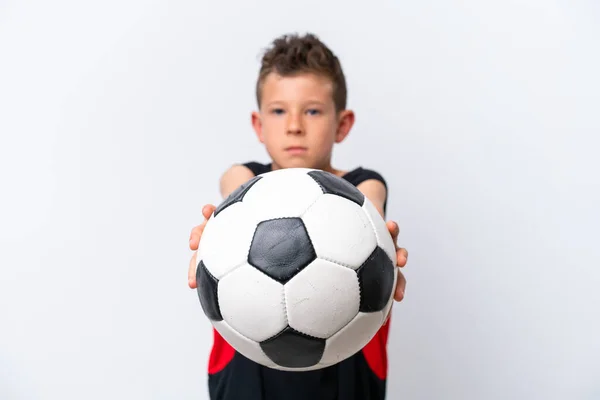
x=257, y=126
x=345, y=123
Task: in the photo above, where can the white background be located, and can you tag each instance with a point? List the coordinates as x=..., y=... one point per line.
x=118, y=117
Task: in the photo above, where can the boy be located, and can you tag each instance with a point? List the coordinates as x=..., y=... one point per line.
x=301, y=95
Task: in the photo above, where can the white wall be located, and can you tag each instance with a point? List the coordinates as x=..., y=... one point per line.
x=117, y=118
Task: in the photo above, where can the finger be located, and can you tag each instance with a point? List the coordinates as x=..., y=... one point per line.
x=192, y=272
x=401, y=257
x=393, y=228
x=195, y=236
x=194, y=231
x=207, y=210
x=400, y=287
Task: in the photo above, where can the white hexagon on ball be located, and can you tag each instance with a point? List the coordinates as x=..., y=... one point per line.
x=322, y=298
x=282, y=193
x=252, y=303
x=226, y=240
x=340, y=230
x=352, y=337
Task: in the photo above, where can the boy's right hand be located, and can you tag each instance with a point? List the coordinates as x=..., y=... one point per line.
x=195, y=236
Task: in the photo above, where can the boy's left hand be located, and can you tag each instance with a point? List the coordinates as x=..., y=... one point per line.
x=401, y=258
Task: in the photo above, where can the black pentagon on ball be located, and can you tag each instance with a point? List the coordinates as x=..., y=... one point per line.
x=281, y=248
x=207, y=286
x=293, y=349
x=332, y=184
x=237, y=194
x=376, y=281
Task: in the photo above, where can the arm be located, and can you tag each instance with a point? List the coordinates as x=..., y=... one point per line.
x=375, y=191
x=234, y=177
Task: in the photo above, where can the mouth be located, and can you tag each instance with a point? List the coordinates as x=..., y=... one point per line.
x=296, y=149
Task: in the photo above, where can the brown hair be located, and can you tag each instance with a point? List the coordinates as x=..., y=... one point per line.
x=293, y=54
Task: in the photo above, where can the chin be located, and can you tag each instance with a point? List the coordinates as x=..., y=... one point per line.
x=296, y=162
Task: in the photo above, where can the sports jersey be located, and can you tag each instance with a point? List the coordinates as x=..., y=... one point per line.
x=363, y=376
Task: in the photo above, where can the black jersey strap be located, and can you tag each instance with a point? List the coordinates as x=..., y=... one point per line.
x=257, y=168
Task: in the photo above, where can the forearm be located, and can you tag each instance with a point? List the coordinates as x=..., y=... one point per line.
x=376, y=192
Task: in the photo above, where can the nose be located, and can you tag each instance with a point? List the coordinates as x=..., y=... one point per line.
x=294, y=124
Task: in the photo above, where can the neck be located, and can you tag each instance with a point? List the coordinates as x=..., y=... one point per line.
x=332, y=170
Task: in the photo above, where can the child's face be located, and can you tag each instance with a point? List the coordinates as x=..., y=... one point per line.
x=298, y=122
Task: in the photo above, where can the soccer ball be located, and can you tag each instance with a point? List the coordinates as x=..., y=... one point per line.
x=296, y=269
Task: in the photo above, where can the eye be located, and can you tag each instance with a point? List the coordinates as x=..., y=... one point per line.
x=313, y=111
x=277, y=111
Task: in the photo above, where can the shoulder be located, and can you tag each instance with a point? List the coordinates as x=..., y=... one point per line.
x=248, y=170
x=360, y=175
x=240, y=173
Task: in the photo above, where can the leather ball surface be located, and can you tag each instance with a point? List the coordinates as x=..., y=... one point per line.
x=296, y=269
